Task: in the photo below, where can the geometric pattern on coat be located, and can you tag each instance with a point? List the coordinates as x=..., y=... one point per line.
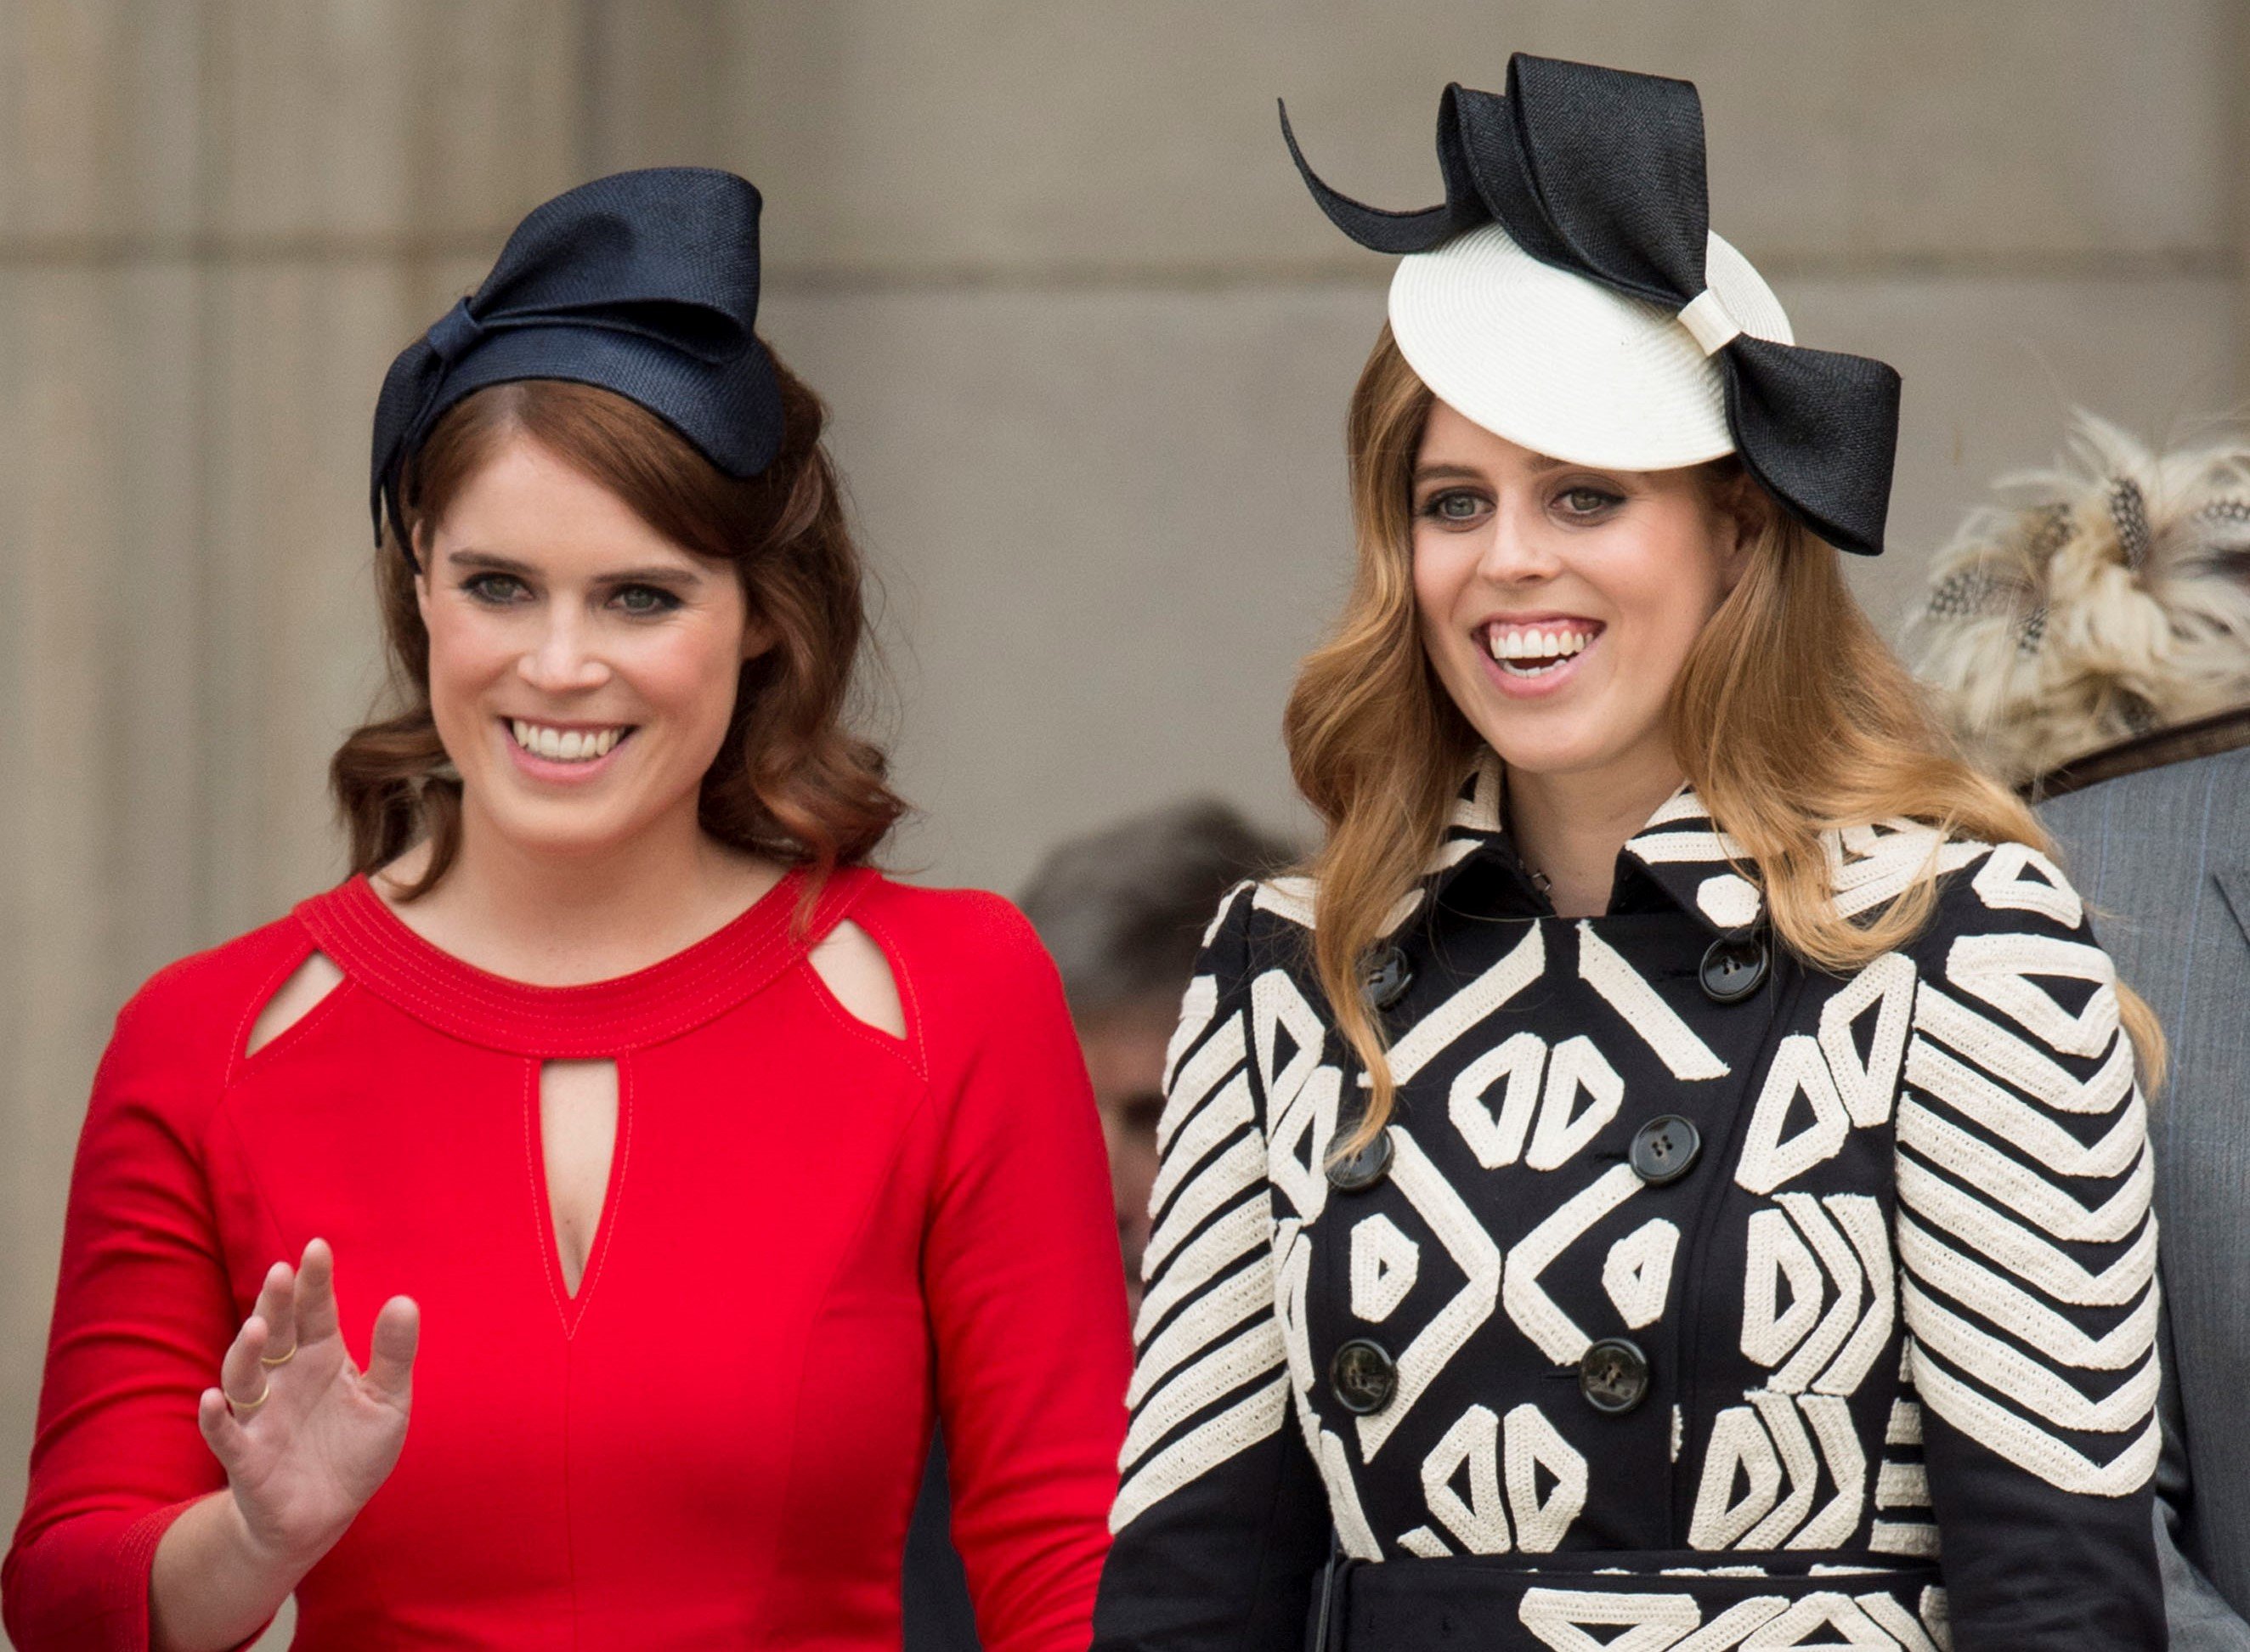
x=1900, y=1315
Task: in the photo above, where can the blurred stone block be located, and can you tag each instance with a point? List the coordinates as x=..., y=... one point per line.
x=100, y=378
x=100, y=117
x=1109, y=523
x=1049, y=140
x=298, y=353
x=389, y=119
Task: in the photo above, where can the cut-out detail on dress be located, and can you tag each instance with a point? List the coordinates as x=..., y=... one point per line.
x=577, y=1142
x=298, y=997
x=859, y=977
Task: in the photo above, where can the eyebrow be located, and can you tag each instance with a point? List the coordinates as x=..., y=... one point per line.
x=1538, y=464
x=654, y=574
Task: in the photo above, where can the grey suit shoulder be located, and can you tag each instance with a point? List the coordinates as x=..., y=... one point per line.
x=2163, y=857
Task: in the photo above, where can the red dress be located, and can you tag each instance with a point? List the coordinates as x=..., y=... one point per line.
x=816, y=1235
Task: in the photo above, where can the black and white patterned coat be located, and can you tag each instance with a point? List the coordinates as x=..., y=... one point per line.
x=1877, y=1370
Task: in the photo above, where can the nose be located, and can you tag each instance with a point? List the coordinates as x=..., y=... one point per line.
x=564, y=659
x=1519, y=546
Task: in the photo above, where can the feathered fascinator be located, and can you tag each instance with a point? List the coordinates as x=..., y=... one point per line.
x=2106, y=598
x=1569, y=294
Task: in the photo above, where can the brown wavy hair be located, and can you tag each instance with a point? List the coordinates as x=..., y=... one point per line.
x=1790, y=717
x=791, y=779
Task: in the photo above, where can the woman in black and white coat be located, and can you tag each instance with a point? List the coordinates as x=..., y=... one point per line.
x=1674, y=1175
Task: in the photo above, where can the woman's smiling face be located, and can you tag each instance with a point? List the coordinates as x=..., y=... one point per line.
x=1558, y=602
x=582, y=666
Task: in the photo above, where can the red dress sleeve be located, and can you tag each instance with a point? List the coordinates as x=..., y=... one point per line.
x=1026, y=1300
x=142, y=1314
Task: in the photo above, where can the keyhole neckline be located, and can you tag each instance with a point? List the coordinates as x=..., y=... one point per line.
x=600, y=1020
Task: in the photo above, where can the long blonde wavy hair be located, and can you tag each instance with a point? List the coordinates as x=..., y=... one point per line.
x=1789, y=717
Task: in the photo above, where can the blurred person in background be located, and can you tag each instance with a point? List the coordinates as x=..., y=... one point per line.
x=1636, y=1192
x=2089, y=637
x=1122, y=912
x=691, y=1161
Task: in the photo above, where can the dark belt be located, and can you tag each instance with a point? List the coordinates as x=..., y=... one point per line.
x=1527, y=1603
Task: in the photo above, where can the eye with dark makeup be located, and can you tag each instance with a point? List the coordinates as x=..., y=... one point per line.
x=1454, y=508
x=1584, y=501
x=643, y=602
x=495, y=591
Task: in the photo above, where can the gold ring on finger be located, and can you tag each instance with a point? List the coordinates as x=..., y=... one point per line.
x=269, y=1361
x=244, y=1407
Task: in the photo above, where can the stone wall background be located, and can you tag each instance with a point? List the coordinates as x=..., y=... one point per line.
x=1087, y=343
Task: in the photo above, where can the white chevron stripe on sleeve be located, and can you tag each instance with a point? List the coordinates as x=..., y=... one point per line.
x=1226, y=1179
x=2032, y=1448
x=1197, y=1006
x=1224, y=1243
x=1199, y=1074
x=1201, y=1324
x=2017, y=1311
x=2024, y=1253
x=1999, y=970
x=2001, y=1367
x=2026, y=1191
x=1211, y=1379
x=1229, y=1110
x=2021, y=1063
x=1656, y=1023
x=1902, y=1485
x=1977, y=1098
x=1913, y=1537
x=1255, y=1417
x=1521, y=966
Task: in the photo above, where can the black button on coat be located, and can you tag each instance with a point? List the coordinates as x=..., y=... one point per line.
x=1896, y=1315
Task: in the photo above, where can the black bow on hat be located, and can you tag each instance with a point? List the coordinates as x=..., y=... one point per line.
x=643, y=283
x=1600, y=172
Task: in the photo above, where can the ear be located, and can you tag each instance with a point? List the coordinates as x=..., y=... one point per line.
x=1740, y=513
x=419, y=560
x=758, y=636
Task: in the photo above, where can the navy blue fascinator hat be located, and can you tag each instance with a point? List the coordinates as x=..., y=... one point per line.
x=643, y=283
x=1569, y=294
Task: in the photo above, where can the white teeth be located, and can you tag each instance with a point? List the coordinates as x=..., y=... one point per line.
x=564, y=745
x=1549, y=648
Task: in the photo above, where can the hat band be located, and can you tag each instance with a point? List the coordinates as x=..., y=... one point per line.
x=1712, y=323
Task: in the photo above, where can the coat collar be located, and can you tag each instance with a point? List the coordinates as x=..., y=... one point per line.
x=1679, y=853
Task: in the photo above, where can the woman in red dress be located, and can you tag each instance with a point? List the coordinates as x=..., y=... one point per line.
x=673, y=1168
